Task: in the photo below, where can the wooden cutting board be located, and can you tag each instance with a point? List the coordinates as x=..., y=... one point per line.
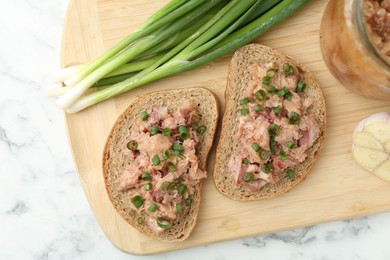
x=335, y=189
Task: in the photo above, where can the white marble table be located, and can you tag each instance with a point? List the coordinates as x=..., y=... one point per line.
x=43, y=211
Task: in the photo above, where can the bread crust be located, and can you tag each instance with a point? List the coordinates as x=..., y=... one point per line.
x=239, y=76
x=114, y=161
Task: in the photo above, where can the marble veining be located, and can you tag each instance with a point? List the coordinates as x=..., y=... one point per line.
x=43, y=211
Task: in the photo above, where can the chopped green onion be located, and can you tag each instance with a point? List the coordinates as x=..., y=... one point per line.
x=145, y=176
x=179, y=208
x=164, y=223
x=255, y=147
x=272, y=144
x=171, y=167
x=165, y=186
x=277, y=110
x=290, y=174
x=177, y=147
x=300, y=87
x=166, y=154
x=144, y=116
x=131, y=213
x=273, y=130
x=245, y=161
x=294, y=118
x=244, y=101
x=290, y=144
x=166, y=132
x=155, y=160
x=195, y=120
x=266, y=80
x=271, y=89
x=260, y=95
x=148, y=187
x=152, y=207
x=177, y=153
x=288, y=95
x=249, y=177
x=182, y=189
x=244, y=111
x=271, y=72
x=258, y=108
x=140, y=220
x=282, y=155
x=266, y=168
x=188, y=201
x=288, y=69
x=137, y=201
x=183, y=132
x=201, y=129
x=154, y=130
x=132, y=145
x=282, y=92
x=264, y=154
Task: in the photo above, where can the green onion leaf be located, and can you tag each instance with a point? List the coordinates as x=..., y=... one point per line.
x=273, y=130
x=177, y=153
x=137, y=201
x=166, y=132
x=140, y=220
x=166, y=154
x=163, y=223
x=266, y=80
x=288, y=69
x=293, y=118
x=165, y=186
x=154, y=130
x=255, y=147
x=282, y=92
x=264, y=154
x=177, y=147
x=183, y=132
x=179, y=208
x=188, y=201
x=258, y=108
x=144, y=116
x=290, y=174
x=277, y=110
x=244, y=111
x=171, y=167
x=260, y=95
x=132, y=145
x=290, y=144
x=152, y=207
x=272, y=144
x=282, y=155
x=201, y=129
x=271, y=72
x=266, y=168
x=244, y=101
x=145, y=176
x=249, y=177
x=271, y=89
x=300, y=87
x=155, y=160
x=245, y=161
x=182, y=189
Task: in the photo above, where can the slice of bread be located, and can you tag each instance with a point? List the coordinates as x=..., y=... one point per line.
x=237, y=83
x=114, y=161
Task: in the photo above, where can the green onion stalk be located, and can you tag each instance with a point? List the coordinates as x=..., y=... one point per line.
x=229, y=25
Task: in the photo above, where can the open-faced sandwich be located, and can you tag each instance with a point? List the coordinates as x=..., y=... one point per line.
x=155, y=158
x=273, y=126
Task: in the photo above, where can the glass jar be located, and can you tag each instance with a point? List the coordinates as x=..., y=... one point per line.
x=349, y=51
